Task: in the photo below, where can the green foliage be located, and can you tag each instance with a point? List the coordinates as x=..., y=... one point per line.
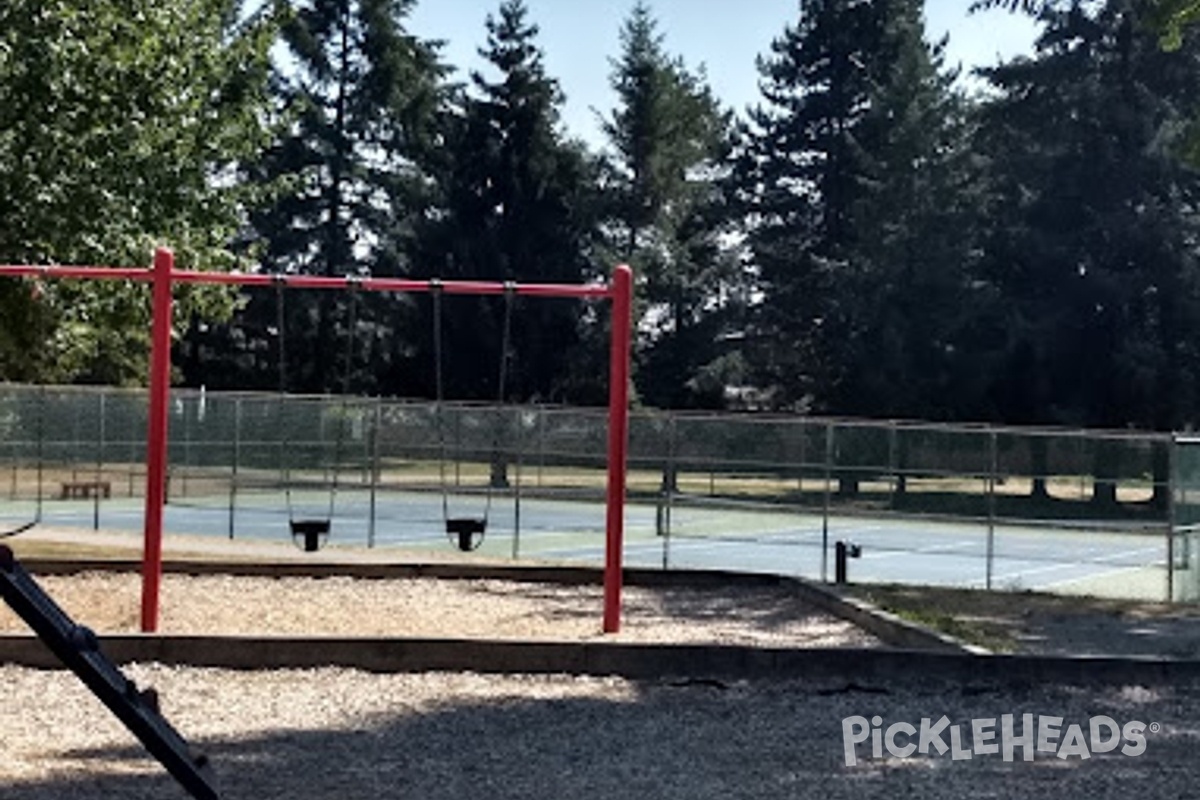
x=1170, y=18
x=1093, y=246
x=363, y=98
x=857, y=192
x=121, y=125
x=667, y=216
x=515, y=204
x=867, y=242
x=364, y=95
x=920, y=202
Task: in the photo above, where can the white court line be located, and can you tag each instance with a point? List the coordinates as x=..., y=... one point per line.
x=1097, y=576
x=916, y=551
x=1074, y=565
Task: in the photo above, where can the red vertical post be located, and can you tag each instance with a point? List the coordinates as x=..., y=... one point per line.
x=156, y=436
x=618, y=442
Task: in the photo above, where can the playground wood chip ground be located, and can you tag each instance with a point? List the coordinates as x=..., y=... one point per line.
x=422, y=607
x=341, y=734
x=333, y=734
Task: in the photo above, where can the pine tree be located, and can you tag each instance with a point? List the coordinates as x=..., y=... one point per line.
x=1094, y=247
x=1100, y=275
x=920, y=322
x=515, y=199
x=365, y=97
x=848, y=177
x=667, y=219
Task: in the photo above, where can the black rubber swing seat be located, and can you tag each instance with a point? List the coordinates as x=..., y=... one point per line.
x=311, y=533
x=466, y=532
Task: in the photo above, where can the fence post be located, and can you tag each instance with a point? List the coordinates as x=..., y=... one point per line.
x=893, y=463
x=826, y=501
x=99, y=461
x=76, y=444
x=41, y=447
x=993, y=467
x=187, y=444
x=520, y=461
x=132, y=458
x=672, y=485
x=541, y=412
x=376, y=427
x=16, y=460
x=237, y=458
x=1172, y=490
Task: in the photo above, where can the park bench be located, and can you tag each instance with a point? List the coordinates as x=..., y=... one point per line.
x=85, y=489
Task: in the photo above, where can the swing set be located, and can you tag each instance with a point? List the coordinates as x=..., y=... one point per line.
x=465, y=532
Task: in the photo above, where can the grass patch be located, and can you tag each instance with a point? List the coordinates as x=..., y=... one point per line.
x=969, y=631
x=1006, y=622
x=984, y=619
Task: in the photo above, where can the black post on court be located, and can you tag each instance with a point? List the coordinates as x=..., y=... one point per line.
x=78, y=649
x=842, y=551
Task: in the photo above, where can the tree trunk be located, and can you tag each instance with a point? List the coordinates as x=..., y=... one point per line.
x=1106, y=470
x=1160, y=467
x=499, y=472
x=1039, y=458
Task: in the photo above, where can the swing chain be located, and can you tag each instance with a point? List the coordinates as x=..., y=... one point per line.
x=435, y=290
x=39, y=325
x=464, y=529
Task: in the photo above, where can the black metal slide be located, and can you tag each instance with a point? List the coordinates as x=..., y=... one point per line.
x=77, y=647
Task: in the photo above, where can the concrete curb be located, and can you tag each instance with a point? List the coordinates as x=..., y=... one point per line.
x=884, y=625
x=635, y=661
x=567, y=575
x=920, y=653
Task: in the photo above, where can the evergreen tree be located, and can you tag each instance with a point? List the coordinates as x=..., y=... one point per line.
x=798, y=173
x=919, y=322
x=858, y=194
x=1101, y=271
x=364, y=96
x=515, y=200
x=667, y=216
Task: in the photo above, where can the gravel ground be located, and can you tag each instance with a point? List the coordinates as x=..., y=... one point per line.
x=345, y=735
x=494, y=609
x=339, y=734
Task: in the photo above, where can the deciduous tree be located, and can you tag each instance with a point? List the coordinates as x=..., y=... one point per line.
x=121, y=128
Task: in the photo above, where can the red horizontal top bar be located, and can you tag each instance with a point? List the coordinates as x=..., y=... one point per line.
x=91, y=273
x=314, y=282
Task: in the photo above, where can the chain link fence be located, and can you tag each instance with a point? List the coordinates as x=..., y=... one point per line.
x=1103, y=513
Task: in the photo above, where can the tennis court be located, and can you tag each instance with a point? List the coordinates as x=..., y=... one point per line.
x=1114, y=561
x=975, y=506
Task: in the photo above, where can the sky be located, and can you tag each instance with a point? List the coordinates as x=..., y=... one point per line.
x=580, y=37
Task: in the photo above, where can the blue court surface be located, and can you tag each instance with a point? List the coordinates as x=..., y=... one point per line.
x=1129, y=562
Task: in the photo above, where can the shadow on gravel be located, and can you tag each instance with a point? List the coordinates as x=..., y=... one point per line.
x=683, y=742
x=749, y=605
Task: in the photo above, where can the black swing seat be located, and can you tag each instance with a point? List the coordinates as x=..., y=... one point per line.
x=310, y=533
x=466, y=532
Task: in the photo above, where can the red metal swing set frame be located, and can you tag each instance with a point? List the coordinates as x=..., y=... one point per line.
x=164, y=276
